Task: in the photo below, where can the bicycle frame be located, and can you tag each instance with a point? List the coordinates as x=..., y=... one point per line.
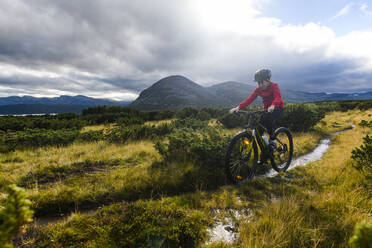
x=257, y=136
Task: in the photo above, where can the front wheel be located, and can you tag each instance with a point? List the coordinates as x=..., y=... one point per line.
x=241, y=157
x=282, y=154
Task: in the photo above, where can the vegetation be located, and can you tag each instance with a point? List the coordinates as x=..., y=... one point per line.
x=363, y=156
x=156, y=179
x=362, y=237
x=14, y=215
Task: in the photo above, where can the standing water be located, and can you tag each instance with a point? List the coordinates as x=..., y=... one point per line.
x=315, y=155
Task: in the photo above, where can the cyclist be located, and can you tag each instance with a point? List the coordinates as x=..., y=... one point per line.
x=271, y=99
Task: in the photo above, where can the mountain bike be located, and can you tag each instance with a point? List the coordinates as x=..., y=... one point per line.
x=241, y=159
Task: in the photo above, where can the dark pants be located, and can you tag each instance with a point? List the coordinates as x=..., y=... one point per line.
x=268, y=119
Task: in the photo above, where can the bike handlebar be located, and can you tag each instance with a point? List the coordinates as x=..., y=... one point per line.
x=250, y=112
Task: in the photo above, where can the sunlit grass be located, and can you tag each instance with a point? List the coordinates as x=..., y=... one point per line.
x=337, y=121
x=157, y=123
x=304, y=143
x=104, y=127
x=23, y=162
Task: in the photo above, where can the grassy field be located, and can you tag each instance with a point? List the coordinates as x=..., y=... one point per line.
x=124, y=195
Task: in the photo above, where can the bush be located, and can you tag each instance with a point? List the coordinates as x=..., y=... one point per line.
x=194, y=124
x=36, y=138
x=129, y=120
x=188, y=112
x=233, y=121
x=362, y=237
x=300, y=117
x=91, y=136
x=363, y=156
x=137, y=132
x=15, y=214
x=206, y=147
x=21, y=123
x=365, y=123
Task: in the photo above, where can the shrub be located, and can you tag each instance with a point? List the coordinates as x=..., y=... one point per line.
x=36, y=138
x=194, y=124
x=137, y=132
x=15, y=214
x=363, y=156
x=362, y=237
x=129, y=120
x=233, y=121
x=365, y=123
x=91, y=136
x=300, y=117
x=21, y=123
x=188, y=112
x=206, y=147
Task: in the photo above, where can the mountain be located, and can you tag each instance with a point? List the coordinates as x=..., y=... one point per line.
x=20, y=109
x=232, y=93
x=292, y=96
x=72, y=100
x=175, y=92
x=44, y=105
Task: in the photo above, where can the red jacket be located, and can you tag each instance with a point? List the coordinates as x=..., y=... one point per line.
x=270, y=96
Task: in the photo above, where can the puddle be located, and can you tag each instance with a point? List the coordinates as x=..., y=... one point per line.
x=315, y=155
x=225, y=231
x=222, y=232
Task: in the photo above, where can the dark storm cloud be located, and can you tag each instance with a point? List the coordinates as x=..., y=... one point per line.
x=96, y=36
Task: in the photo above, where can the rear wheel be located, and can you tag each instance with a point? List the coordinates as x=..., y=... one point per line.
x=241, y=158
x=282, y=154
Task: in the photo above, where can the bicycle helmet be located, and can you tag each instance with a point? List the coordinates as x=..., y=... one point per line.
x=262, y=75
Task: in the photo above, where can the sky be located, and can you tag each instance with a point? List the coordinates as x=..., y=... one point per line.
x=117, y=48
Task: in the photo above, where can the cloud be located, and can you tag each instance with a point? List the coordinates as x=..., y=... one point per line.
x=344, y=11
x=118, y=48
x=364, y=9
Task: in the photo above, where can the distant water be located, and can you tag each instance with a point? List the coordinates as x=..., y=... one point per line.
x=30, y=114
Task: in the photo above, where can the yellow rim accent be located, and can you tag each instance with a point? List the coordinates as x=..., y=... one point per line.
x=247, y=142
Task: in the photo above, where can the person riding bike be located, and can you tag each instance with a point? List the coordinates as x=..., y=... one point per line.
x=271, y=99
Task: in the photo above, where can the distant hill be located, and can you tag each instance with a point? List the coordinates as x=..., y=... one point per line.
x=44, y=105
x=232, y=93
x=20, y=109
x=72, y=100
x=175, y=92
